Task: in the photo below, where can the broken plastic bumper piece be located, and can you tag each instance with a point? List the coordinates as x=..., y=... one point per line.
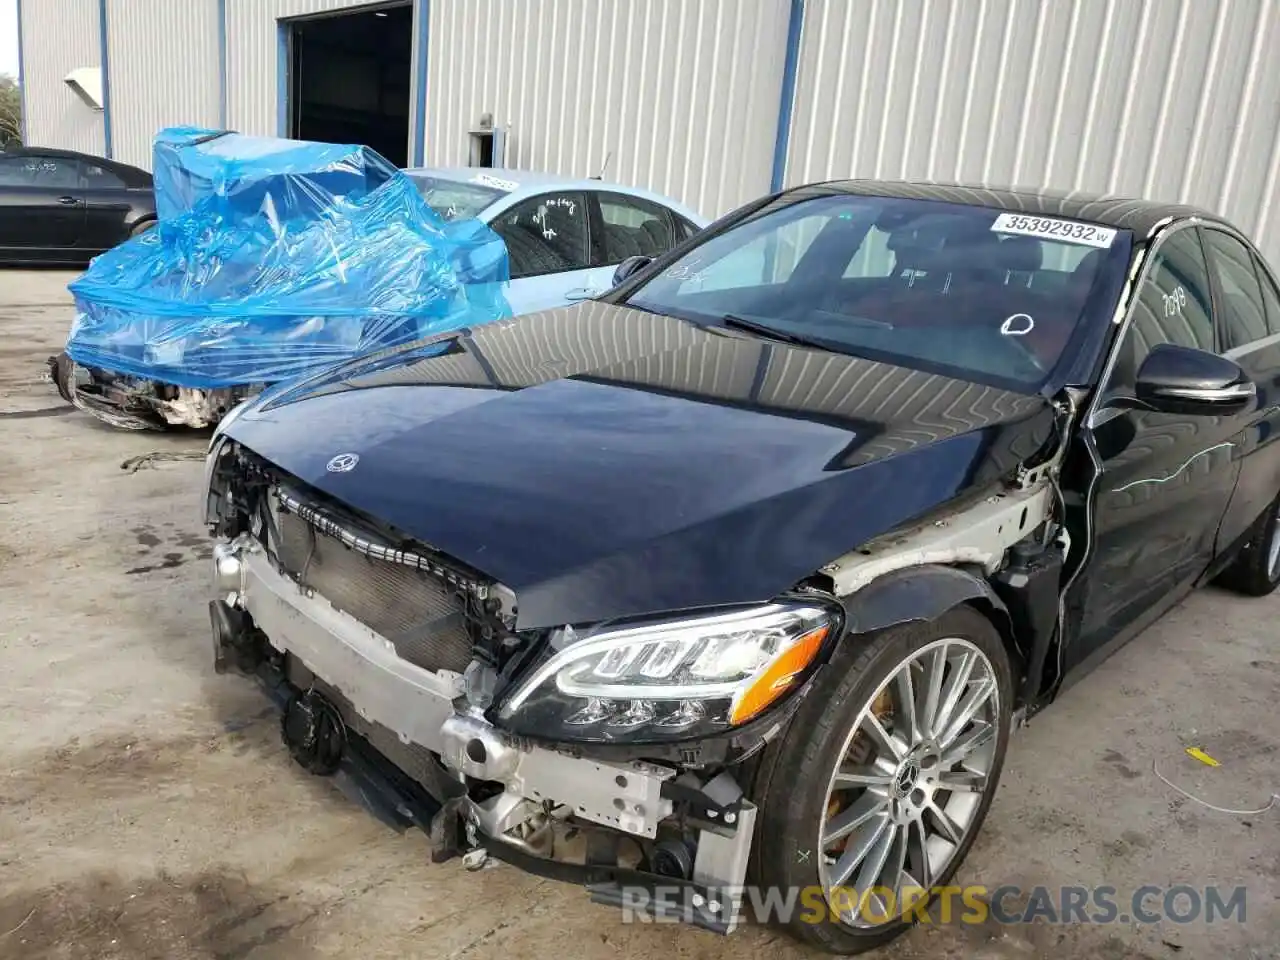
x=347, y=693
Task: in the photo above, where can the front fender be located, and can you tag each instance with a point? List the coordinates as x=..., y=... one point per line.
x=924, y=593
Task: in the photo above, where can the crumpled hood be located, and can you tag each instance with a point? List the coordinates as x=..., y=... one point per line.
x=603, y=462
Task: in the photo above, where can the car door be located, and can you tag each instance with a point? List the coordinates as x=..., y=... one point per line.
x=1162, y=480
x=548, y=240
x=41, y=203
x=107, y=205
x=1249, y=322
x=631, y=227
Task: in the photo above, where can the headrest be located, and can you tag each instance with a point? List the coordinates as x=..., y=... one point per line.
x=1087, y=266
x=936, y=244
x=1020, y=253
x=934, y=233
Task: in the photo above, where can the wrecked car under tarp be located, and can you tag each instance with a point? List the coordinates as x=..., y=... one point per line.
x=272, y=259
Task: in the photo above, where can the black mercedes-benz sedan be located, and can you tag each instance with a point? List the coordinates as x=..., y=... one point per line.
x=738, y=578
x=64, y=208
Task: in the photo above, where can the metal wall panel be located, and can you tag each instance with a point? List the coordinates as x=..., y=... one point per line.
x=680, y=97
x=164, y=70
x=253, y=58
x=59, y=36
x=1168, y=99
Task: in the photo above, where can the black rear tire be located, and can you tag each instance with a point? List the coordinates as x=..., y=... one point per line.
x=1255, y=572
x=791, y=790
x=140, y=228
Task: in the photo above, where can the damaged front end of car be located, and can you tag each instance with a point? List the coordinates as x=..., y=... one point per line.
x=620, y=756
x=272, y=259
x=612, y=757
x=136, y=403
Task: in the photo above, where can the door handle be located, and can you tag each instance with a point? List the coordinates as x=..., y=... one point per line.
x=68, y=201
x=582, y=294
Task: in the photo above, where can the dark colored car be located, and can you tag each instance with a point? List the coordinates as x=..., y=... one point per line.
x=757, y=561
x=60, y=207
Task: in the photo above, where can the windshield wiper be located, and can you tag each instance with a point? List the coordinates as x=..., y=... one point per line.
x=773, y=333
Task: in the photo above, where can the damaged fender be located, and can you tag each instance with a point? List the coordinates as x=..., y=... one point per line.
x=922, y=593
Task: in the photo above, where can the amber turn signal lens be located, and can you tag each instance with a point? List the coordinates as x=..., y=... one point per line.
x=777, y=677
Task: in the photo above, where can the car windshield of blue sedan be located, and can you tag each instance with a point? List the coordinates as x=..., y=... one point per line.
x=975, y=292
x=455, y=199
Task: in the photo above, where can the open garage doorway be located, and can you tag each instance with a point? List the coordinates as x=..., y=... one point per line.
x=349, y=78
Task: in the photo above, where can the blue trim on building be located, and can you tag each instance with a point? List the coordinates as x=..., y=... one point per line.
x=422, y=27
x=105, y=67
x=222, y=64
x=22, y=85
x=282, y=78
x=789, y=67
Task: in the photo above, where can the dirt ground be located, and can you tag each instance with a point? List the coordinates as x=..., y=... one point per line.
x=148, y=809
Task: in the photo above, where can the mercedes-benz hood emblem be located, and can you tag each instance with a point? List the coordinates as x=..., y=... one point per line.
x=343, y=463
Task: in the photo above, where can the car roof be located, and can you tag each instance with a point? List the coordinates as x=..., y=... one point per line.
x=523, y=183
x=520, y=179
x=1124, y=213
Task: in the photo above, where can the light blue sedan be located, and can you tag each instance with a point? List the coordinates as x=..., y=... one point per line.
x=565, y=237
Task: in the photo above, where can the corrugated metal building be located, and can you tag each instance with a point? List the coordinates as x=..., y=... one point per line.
x=712, y=101
x=1167, y=99
x=56, y=37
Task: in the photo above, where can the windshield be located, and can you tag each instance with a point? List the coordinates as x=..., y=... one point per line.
x=979, y=293
x=455, y=199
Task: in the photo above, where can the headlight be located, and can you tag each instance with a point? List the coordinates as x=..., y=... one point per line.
x=669, y=680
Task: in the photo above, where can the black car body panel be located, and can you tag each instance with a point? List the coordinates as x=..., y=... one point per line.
x=651, y=455
x=605, y=463
x=62, y=207
x=1082, y=359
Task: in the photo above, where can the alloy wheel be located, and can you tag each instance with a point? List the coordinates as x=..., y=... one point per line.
x=1273, y=551
x=906, y=790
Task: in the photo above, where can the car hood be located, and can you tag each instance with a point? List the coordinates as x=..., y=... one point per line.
x=603, y=462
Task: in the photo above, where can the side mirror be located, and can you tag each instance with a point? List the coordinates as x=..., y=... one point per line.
x=628, y=267
x=1184, y=380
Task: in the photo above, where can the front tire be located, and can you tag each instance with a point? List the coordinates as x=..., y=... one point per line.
x=1255, y=572
x=879, y=786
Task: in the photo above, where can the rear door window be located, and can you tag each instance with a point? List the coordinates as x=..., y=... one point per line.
x=97, y=177
x=633, y=227
x=1242, y=314
x=546, y=234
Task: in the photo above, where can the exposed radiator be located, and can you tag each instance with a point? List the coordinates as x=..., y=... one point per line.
x=421, y=614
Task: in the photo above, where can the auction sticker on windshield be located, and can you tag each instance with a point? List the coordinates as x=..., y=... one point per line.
x=1049, y=228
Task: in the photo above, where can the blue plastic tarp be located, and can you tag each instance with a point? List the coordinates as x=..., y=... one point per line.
x=273, y=258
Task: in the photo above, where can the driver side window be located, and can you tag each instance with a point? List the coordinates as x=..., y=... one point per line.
x=1173, y=306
